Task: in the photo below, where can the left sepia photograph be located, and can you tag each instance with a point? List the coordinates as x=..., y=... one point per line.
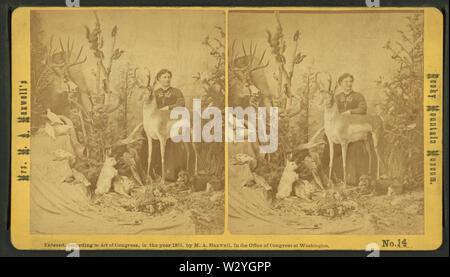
x=111, y=91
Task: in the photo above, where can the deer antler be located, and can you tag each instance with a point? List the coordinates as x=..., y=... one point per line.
x=78, y=57
x=50, y=54
x=149, y=78
x=247, y=58
x=328, y=80
x=66, y=53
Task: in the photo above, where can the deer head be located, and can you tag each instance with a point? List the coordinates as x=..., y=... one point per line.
x=61, y=61
x=324, y=84
x=66, y=65
x=244, y=68
x=145, y=88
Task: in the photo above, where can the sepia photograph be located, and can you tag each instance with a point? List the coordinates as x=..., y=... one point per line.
x=348, y=88
x=227, y=128
x=104, y=85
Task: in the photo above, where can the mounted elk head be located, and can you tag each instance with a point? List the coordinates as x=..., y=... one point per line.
x=247, y=76
x=62, y=61
x=66, y=65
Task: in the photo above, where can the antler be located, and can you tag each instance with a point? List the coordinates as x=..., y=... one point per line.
x=328, y=80
x=138, y=81
x=78, y=57
x=247, y=59
x=50, y=58
x=67, y=53
x=149, y=78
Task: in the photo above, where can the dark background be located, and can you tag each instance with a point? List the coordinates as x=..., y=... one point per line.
x=278, y=258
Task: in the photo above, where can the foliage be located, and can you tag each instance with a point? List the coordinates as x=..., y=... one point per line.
x=98, y=129
x=104, y=121
x=41, y=75
x=288, y=137
x=213, y=84
x=306, y=93
x=278, y=48
x=402, y=110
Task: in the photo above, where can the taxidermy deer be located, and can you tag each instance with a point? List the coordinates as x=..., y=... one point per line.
x=247, y=70
x=157, y=125
x=344, y=129
x=66, y=65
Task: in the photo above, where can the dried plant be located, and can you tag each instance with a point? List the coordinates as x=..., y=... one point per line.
x=213, y=84
x=278, y=48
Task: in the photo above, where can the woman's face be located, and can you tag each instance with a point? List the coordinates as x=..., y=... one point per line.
x=165, y=79
x=347, y=84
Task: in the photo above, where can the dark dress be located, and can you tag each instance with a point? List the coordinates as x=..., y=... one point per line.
x=357, y=157
x=171, y=97
x=175, y=156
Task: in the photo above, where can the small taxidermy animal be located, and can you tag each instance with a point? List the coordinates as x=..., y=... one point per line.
x=395, y=189
x=122, y=185
x=304, y=190
x=198, y=183
x=288, y=178
x=107, y=173
x=183, y=178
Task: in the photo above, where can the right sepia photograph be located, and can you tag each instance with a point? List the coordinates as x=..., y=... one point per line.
x=330, y=109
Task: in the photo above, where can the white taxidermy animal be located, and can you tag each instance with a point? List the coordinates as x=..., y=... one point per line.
x=288, y=177
x=107, y=173
x=53, y=117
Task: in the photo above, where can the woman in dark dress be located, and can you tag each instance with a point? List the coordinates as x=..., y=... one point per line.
x=167, y=98
x=350, y=102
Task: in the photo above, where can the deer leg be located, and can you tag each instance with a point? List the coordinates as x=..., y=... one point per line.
x=375, y=147
x=344, y=148
x=186, y=147
x=330, y=165
x=194, y=147
x=369, y=153
x=162, y=143
x=149, y=159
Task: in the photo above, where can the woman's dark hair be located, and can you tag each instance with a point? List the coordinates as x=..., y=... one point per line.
x=345, y=76
x=163, y=71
